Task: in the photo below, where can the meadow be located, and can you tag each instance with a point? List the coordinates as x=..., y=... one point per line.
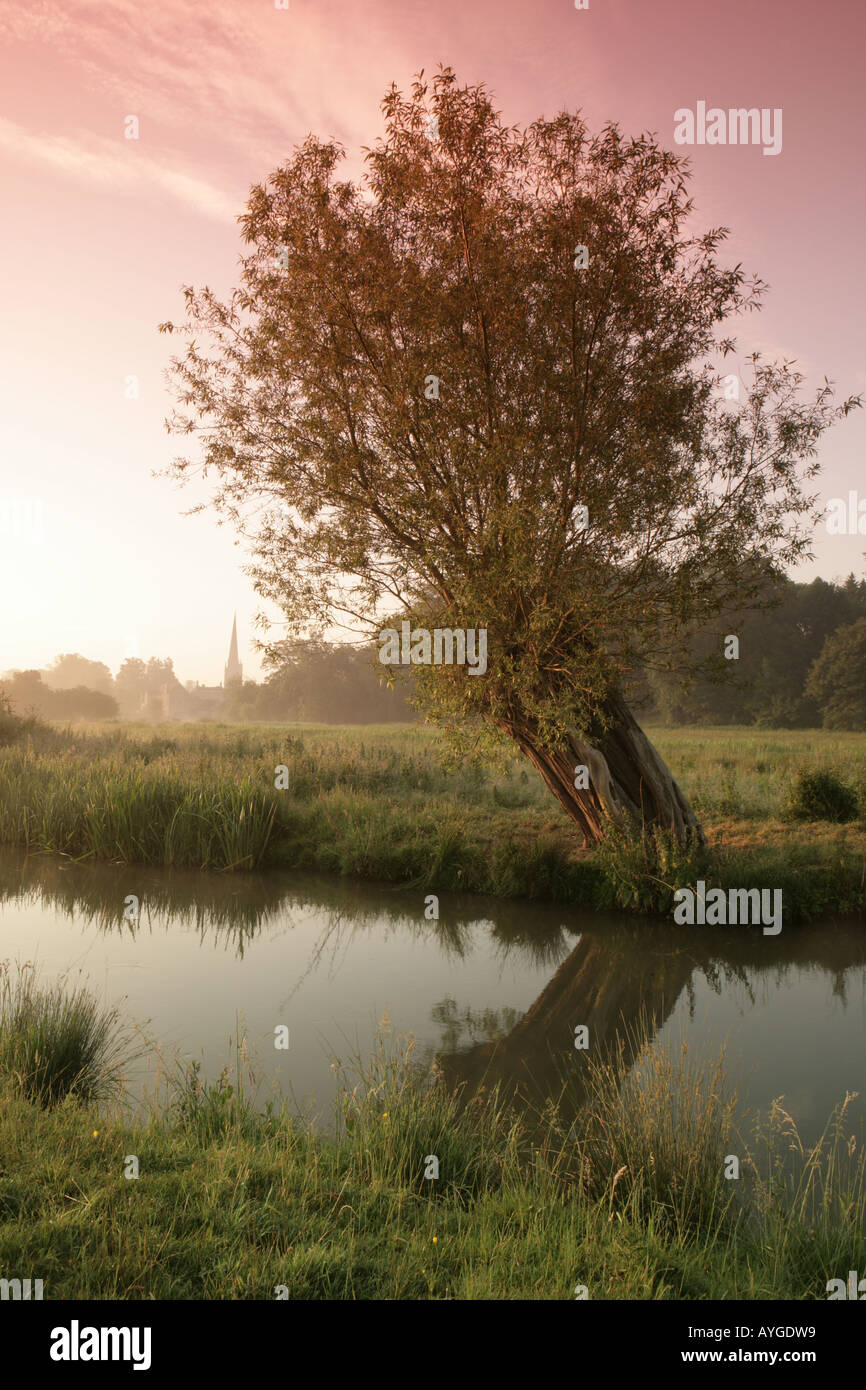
x=379, y=803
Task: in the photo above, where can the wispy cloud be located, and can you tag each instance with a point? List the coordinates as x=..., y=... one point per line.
x=240, y=78
x=118, y=164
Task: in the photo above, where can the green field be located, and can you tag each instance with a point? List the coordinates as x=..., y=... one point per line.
x=377, y=802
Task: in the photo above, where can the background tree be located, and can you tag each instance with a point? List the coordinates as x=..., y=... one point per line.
x=71, y=669
x=131, y=686
x=138, y=681
x=778, y=644
x=330, y=683
x=28, y=694
x=431, y=373
x=81, y=703
x=837, y=680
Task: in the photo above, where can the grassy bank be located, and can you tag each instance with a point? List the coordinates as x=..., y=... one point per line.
x=377, y=803
x=624, y=1196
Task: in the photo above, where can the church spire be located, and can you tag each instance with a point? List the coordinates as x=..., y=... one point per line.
x=233, y=671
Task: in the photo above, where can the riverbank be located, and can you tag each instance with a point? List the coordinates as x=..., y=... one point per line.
x=376, y=803
x=626, y=1198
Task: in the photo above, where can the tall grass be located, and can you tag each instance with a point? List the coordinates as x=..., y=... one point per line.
x=627, y=1196
x=380, y=803
x=642, y=871
x=395, y=1117
x=56, y=1042
x=810, y=1200
x=653, y=1134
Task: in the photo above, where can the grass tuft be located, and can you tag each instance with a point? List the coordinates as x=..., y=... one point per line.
x=56, y=1042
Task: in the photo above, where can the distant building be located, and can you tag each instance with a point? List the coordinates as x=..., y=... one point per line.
x=209, y=701
x=193, y=700
x=156, y=704
x=206, y=700
x=234, y=671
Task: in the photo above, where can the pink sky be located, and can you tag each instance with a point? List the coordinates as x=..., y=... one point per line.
x=101, y=231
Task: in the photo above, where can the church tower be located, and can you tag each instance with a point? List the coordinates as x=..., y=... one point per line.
x=233, y=671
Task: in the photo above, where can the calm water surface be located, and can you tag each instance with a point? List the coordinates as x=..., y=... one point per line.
x=492, y=988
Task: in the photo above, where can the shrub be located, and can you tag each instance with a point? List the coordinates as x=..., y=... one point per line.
x=821, y=796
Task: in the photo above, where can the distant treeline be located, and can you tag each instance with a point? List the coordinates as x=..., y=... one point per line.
x=74, y=687
x=323, y=683
x=314, y=681
x=801, y=664
x=27, y=693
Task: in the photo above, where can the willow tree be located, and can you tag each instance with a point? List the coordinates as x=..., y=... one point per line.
x=474, y=387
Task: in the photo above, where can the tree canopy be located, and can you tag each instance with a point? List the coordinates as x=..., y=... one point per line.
x=480, y=387
x=71, y=670
x=837, y=680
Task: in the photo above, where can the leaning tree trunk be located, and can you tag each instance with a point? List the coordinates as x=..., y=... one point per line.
x=628, y=780
x=620, y=996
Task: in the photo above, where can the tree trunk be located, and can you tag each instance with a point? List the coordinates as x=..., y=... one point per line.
x=627, y=778
x=620, y=994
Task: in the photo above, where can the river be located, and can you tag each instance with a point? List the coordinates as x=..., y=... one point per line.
x=494, y=989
